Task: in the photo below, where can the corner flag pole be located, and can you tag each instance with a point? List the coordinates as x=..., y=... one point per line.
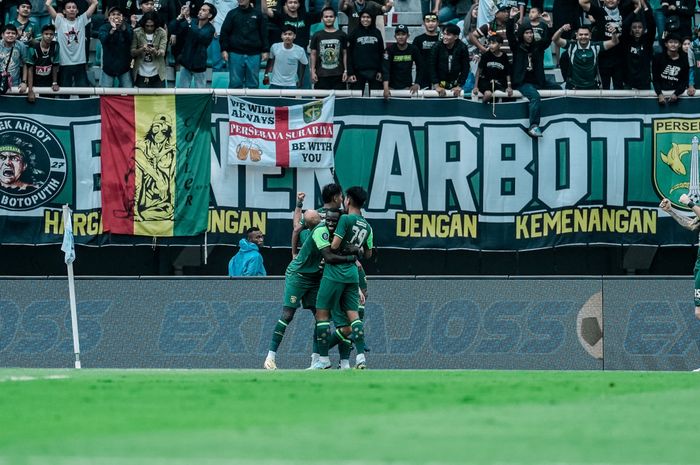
x=68, y=247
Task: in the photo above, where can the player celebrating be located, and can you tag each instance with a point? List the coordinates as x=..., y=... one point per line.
x=692, y=225
x=332, y=197
x=303, y=277
x=339, y=286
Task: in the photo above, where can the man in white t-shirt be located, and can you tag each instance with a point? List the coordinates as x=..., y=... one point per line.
x=70, y=35
x=285, y=67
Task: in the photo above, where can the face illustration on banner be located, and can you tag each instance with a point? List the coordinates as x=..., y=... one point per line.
x=155, y=172
x=32, y=164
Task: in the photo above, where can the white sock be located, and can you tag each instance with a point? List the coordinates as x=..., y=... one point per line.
x=360, y=358
x=324, y=360
x=314, y=358
x=271, y=354
x=344, y=364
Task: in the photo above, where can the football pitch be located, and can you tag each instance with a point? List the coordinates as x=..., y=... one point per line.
x=217, y=417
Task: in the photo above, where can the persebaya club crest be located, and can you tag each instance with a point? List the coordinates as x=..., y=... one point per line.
x=676, y=158
x=312, y=111
x=32, y=164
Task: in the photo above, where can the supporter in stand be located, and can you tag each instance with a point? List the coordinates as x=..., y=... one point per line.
x=196, y=34
x=244, y=45
x=148, y=50
x=116, y=36
x=670, y=70
x=399, y=60
x=425, y=43
x=365, y=54
x=637, y=46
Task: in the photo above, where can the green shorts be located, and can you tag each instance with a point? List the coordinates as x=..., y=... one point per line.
x=339, y=298
x=300, y=290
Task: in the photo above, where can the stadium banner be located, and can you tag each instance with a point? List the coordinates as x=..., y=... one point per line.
x=616, y=323
x=228, y=323
x=298, y=136
x=156, y=164
x=441, y=173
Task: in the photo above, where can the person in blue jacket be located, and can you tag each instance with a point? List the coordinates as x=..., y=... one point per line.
x=248, y=261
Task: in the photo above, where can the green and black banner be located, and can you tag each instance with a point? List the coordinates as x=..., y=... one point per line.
x=444, y=174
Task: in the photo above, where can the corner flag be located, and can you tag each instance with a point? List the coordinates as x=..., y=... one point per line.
x=68, y=246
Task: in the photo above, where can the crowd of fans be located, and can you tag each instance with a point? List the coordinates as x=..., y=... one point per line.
x=465, y=47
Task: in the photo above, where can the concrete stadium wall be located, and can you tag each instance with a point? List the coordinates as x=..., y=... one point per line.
x=484, y=323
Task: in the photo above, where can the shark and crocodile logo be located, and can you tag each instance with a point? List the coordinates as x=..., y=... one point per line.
x=676, y=160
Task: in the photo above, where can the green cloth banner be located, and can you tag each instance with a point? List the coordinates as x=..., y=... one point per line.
x=441, y=173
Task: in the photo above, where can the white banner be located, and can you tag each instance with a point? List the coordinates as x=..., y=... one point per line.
x=299, y=136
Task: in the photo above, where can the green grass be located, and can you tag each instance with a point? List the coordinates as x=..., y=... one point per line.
x=343, y=418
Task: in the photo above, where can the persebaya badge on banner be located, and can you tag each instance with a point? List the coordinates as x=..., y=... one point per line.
x=676, y=168
x=299, y=136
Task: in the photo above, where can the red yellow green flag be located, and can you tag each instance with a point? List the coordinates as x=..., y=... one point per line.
x=156, y=164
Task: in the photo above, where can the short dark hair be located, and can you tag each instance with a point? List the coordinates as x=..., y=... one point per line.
x=583, y=26
x=48, y=27
x=451, y=29
x=212, y=9
x=8, y=27
x=250, y=231
x=334, y=211
x=357, y=196
x=24, y=2
x=329, y=191
x=326, y=8
x=150, y=16
x=289, y=28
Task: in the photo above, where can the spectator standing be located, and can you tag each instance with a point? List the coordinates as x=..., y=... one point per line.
x=244, y=45
x=494, y=71
x=365, y=55
x=497, y=26
x=637, y=44
x=399, y=60
x=528, y=71
x=540, y=23
x=116, y=36
x=195, y=35
x=42, y=63
x=145, y=6
x=425, y=43
x=285, y=67
x=608, y=22
x=72, y=43
x=329, y=54
x=670, y=70
x=583, y=56
x=679, y=17
x=292, y=14
x=353, y=9
x=687, y=49
x=128, y=7
x=248, y=261
x=12, y=54
x=449, y=63
x=214, y=52
x=26, y=27
x=148, y=49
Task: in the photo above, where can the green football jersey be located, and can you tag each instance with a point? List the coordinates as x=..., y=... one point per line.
x=308, y=261
x=321, y=212
x=352, y=230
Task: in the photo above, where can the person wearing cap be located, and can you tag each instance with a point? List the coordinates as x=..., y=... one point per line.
x=449, y=63
x=195, y=36
x=583, y=56
x=128, y=7
x=494, y=71
x=497, y=26
x=285, y=67
x=488, y=9
x=365, y=55
x=26, y=27
x=670, y=70
x=398, y=63
x=72, y=44
x=425, y=43
x=115, y=36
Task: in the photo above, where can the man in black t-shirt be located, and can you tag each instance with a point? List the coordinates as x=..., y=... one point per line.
x=329, y=54
x=494, y=71
x=399, y=60
x=425, y=43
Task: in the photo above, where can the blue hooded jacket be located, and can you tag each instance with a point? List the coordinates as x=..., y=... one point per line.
x=247, y=262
